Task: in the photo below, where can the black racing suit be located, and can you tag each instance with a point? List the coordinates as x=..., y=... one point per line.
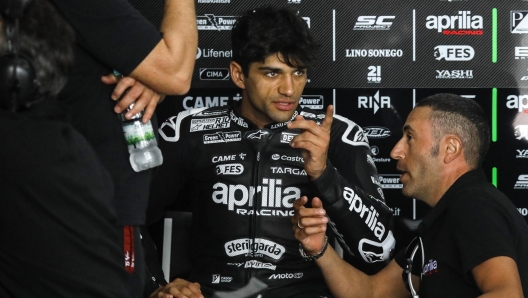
x=240, y=183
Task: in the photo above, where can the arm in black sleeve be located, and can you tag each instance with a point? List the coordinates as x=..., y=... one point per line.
x=352, y=196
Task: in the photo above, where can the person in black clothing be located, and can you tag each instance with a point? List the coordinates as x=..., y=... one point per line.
x=57, y=235
x=112, y=35
x=239, y=170
x=472, y=243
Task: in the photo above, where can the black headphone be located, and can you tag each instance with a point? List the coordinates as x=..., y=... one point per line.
x=18, y=79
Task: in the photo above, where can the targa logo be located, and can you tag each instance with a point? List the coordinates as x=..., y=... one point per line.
x=311, y=101
x=374, y=23
x=454, y=53
x=374, y=102
x=519, y=21
x=522, y=182
x=461, y=24
x=212, y=22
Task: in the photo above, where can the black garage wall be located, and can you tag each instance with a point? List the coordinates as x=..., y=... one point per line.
x=378, y=59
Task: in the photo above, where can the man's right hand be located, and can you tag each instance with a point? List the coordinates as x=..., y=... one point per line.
x=309, y=224
x=178, y=288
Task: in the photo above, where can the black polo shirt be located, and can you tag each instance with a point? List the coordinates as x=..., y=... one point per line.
x=472, y=222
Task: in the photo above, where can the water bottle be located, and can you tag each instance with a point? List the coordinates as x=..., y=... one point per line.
x=141, y=141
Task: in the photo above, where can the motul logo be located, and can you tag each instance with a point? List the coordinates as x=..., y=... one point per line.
x=461, y=24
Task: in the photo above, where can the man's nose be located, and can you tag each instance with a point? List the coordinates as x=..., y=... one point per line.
x=397, y=151
x=287, y=87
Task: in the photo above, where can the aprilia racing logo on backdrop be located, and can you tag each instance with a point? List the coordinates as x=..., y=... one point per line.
x=518, y=102
x=275, y=201
x=375, y=102
x=374, y=22
x=519, y=21
x=461, y=24
x=454, y=74
x=212, y=22
x=454, y=53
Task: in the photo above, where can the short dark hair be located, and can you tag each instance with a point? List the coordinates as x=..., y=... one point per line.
x=46, y=39
x=463, y=117
x=268, y=30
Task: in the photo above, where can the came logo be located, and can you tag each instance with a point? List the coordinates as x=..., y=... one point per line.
x=521, y=52
x=454, y=74
x=374, y=102
x=454, y=53
x=377, y=132
x=374, y=23
x=519, y=21
x=212, y=22
x=521, y=132
x=314, y=102
x=190, y=102
x=518, y=102
x=522, y=182
x=256, y=247
x=461, y=24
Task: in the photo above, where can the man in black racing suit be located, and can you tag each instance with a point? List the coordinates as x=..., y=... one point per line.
x=239, y=169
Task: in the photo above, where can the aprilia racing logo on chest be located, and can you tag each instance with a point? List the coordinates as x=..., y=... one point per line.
x=254, y=248
x=274, y=200
x=461, y=24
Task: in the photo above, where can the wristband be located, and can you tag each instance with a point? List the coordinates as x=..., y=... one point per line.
x=317, y=255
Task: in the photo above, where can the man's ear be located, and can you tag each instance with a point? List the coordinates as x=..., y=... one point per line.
x=453, y=148
x=237, y=75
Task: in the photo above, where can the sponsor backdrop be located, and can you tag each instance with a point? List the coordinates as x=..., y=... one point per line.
x=378, y=59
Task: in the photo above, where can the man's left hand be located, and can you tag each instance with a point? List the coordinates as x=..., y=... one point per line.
x=314, y=141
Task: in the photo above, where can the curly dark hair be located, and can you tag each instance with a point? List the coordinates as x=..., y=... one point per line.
x=268, y=30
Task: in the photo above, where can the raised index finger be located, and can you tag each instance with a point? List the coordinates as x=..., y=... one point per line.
x=329, y=117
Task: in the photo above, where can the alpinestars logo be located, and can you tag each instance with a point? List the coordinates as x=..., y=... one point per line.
x=521, y=132
x=271, y=194
x=522, y=182
x=258, y=135
x=212, y=22
x=519, y=21
x=461, y=24
x=374, y=102
x=374, y=23
x=256, y=248
x=454, y=74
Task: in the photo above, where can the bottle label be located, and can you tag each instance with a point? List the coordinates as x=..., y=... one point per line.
x=138, y=135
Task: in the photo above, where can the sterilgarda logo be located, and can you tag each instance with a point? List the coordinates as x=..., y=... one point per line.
x=374, y=22
x=517, y=102
x=213, y=22
x=461, y=24
x=454, y=52
x=522, y=182
x=314, y=102
x=195, y=102
x=519, y=21
x=375, y=102
x=275, y=200
x=254, y=247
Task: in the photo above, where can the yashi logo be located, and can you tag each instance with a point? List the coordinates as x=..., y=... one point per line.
x=374, y=22
x=454, y=74
x=212, y=53
x=378, y=53
x=286, y=275
x=374, y=102
x=377, y=132
x=518, y=102
x=390, y=181
x=521, y=52
x=209, y=123
x=519, y=21
x=311, y=101
x=523, y=153
x=271, y=195
x=230, y=169
x=522, y=182
x=454, y=53
x=256, y=247
x=222, y=137
x=214, y=74
x=461, y=24
x=521, y=132
x=190, y=102
x=212, y=22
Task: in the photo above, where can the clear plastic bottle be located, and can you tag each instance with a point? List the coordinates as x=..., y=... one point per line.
x=141, y=141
